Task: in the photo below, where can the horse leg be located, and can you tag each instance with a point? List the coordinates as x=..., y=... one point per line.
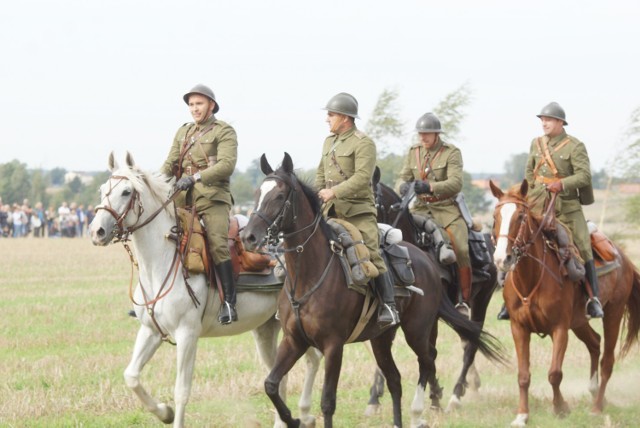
x=382, y=351
x=332, y=367
x=591, y=339
x=461, y=384
x=147, y=343
x=435, y=390
x=377, y=388
x=288, y=353
x=611, y=323
x=522, y=341
x=560, y=339
x=313, y=357
x=186, y=346
x=421, y=342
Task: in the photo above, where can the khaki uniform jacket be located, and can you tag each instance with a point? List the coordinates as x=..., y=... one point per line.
x=445, y=177
x=355, y=153
x=572, y=163
x=219, y=143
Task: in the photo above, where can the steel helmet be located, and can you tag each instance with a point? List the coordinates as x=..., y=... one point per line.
x=201, y=89
x=428, y=122
x=343, y=103
x=554, y=110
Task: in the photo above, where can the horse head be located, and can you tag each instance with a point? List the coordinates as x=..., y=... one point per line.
x=122, y=203
x=509, y=220
x=277, y=204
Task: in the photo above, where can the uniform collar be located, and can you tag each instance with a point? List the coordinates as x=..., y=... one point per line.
x=555, y=140
x=435, y=148
x=204, y=125
x=348, y=133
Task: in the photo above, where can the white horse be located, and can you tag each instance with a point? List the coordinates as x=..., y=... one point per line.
x=167, y=306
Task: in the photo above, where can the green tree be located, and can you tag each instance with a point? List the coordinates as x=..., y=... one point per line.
x=451, y=111
x=75, y=186
x=56, y=175
x=514, y=169
x=38, y=191
x=474, y=196
x=90, y=194
x=384, y=126
x=242, y=187
x=390, y=166
x=15, y=183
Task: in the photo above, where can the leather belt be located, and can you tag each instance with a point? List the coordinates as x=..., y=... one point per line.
x=546, y=180
x=192, y=169
x=426, y=198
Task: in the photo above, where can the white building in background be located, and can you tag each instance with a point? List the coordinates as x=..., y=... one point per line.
x=84, y=177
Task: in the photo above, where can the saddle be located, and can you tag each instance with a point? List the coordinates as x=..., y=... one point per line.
x=604, y=251
x=251, y=269
x=355, y=257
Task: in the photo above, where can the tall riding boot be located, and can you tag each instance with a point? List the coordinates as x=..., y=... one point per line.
x=228, y=310
x=594, y=307
x=504, y=314
x=464, y=280
x=387, y=312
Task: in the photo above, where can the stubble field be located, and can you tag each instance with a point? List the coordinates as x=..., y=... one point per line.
x=65, y=339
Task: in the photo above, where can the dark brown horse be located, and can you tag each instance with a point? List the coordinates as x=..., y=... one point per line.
x=318, y=310
x=541, y=300
x=391, y=210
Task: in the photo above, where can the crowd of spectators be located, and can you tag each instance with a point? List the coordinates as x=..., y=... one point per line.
x=21, y=220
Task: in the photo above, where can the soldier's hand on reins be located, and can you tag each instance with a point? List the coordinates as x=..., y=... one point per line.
x=326, y=195
x=422, y=186
x=555, y=187
x=185, y=183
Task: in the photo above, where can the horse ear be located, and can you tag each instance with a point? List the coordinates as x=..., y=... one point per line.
x=129, y=160
x=264, y=165
x=113, y=165
x=495, y=190
x=287, y=163
x=376, y=176
x=524, y=188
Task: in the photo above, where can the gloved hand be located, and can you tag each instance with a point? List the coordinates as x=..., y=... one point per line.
x=404, y=188
x=185, y=183
x=422, y=186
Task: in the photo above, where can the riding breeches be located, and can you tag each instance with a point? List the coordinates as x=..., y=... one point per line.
x=458, y=234
x=216, y=223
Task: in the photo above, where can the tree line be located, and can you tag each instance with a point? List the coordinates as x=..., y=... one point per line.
x=385, y=127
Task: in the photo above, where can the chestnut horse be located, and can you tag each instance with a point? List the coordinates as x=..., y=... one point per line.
x=541, y=300
x=318, y=310
x=391, y=210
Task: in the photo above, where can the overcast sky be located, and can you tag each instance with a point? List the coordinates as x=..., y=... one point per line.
x=80, y=78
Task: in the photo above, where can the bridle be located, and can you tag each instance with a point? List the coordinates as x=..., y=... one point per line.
x=520, y=248
x=122, y=235
x=272, y=238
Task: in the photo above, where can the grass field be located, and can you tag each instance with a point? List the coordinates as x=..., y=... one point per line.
x=65, y=340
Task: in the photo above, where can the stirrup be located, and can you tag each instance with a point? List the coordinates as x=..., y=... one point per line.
x=228, y=314
x=388, y=315
x=464, y=309
x=593, y=308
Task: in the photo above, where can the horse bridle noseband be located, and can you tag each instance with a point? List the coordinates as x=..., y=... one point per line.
x=122, y=233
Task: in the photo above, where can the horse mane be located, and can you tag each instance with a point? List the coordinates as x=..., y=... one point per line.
x=312, y=196
x=143, y=182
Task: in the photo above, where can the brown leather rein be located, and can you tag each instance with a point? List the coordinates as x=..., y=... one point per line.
x=521, y=246
x=122, y=235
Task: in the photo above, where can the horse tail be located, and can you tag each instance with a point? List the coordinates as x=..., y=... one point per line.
x=470, y=331
x=632, y=315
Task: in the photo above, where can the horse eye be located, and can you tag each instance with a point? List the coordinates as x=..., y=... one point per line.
x=126, y=192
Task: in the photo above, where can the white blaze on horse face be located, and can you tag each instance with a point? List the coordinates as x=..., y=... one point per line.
x=500, y=254
x=266, y=187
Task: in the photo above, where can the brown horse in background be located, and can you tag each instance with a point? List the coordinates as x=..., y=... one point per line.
x=541, y=300
x=317, y=309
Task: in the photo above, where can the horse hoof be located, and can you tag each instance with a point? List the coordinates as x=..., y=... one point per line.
x=520, y=420
x=562, y=411
x=165, y=413
x=309, y=422
x=420, y=424
x=454, y=404
x=372, y=409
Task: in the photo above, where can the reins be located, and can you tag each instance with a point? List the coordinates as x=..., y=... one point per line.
x=521, y=247
x=122, y=235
